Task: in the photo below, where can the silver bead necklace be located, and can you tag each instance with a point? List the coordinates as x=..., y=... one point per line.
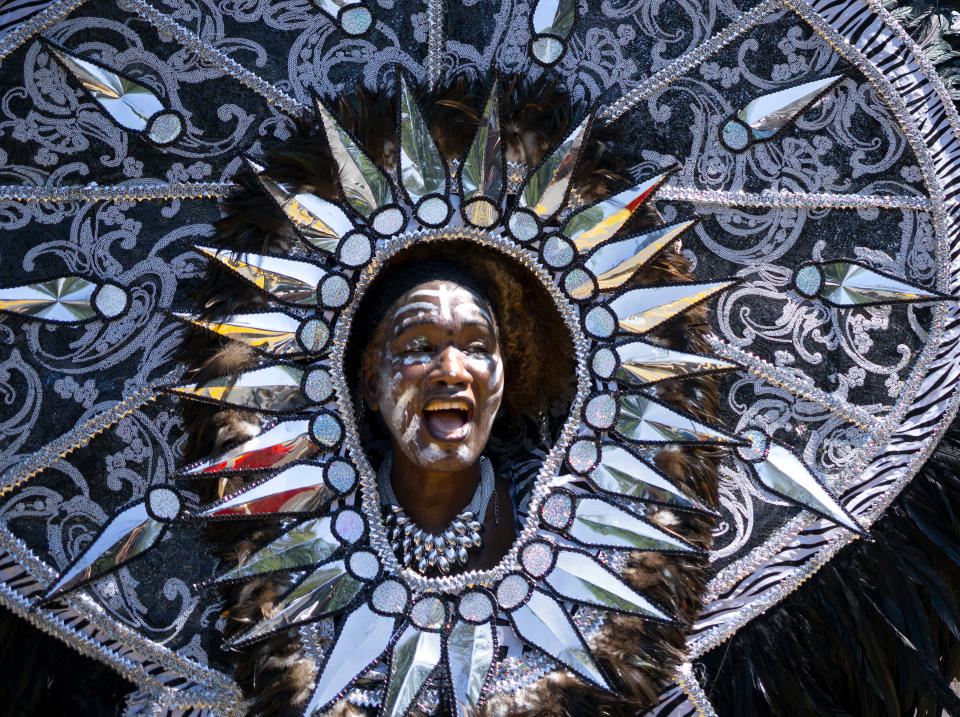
x=422, y=550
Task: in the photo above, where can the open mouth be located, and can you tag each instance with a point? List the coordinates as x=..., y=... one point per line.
x=448, y=419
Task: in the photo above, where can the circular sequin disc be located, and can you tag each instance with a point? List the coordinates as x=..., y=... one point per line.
x=313, y=335
x=582, y=455
x=341, y=476
x=537, y=558
x=390, y=597
x=600, y=322
x=601, y=411
x=512, y=591
x=432, y=210
x=735, y=135
x=165, y=128
x=556, y=510
x=318, y=385
x=523, y=225
x=475, y=607
x=164, y=503
x=388, y=222
x=326, y=430
x=429, y=613
x=547, y=49
x=604, y=363
x=349, y=525
x=355, y=20
x=111, y=300
x=364, y=564
x=355, y=250
x=808, y=280
x=557, y=252
x=758, y=445
x=334, y=291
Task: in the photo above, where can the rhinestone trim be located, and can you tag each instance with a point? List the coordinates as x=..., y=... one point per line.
x=791, y=199
x=118, y=192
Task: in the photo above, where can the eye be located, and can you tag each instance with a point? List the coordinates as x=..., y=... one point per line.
x=419, y=345
x=478, y=347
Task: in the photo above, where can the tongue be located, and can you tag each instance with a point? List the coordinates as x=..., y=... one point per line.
x=446, y=421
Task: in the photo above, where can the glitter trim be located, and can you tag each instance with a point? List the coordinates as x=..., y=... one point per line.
x=790, y=199
x=694, y=692
x=138, y=192
x=434, y=42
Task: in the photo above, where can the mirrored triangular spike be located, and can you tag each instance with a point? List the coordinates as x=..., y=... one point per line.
x=67, y=299
x=365, y=187
x=273, y=333
x=594, y=225
x=130, y=104
x=643, y=420
x=415, y=657
x=320, y=223
x=544, y=623
x=579, y=577
x=613, y=264
x=274, y=388
x=297, y=489
x=545, y=191
x=287, y=441
x=552, y=23
x=481, y=177
x=766, y=115
x=470, y=652
x=294, y=282
x=782, y=473
x=305, y=544
x=641, y=310
x=130, y=533
x=422, y=169
x=622, y=472
x=598, y=523
x=642, y=364
x=842, y=283
x=325, y=591
x=352, y=17
x=362, y=639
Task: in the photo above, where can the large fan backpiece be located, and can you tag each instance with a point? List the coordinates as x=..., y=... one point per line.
x=807, y=206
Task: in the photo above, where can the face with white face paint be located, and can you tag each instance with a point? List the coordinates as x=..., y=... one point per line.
x=439, y=379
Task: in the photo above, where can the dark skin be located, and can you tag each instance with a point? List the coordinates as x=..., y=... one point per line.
x=437, y=384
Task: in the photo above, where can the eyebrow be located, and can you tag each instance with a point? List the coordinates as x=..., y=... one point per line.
x=425, y=321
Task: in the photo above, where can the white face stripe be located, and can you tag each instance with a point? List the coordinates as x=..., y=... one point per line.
x=414, y=306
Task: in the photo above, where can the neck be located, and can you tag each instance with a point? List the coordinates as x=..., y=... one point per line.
x=432, y=499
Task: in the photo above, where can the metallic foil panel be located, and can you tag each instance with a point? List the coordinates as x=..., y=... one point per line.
x=287, y=441
x=416, y=656
x=482, y=172
x=273, y=388
x=544, y=624
x=553, y=17
x=363, y=638
x=787, y=476
x=622, y=472
x=613, y=264
x=321, y=223
x=579, y=577
x=325, y=591
x=643, y=420
x=598, y=524
x=304, y=545
x=365, y=187
x=130, y=533
x=273, y=333
x=67, y=299
x=352, y=16
x=129, y=103
x=642, y=364
x=297, y=489
x=545, y=190
x=846, y=284
x=594, y=225
x=422, y=169
x=641, y=310
x=294, y=282
x=470, y=652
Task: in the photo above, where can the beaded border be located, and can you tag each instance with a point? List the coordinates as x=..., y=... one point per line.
x=434, y=42
x=134, y=192
x=784, y=198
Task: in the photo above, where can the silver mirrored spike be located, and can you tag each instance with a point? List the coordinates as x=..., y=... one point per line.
x=362, y=639
x=579, y=577
x=320, y=223
x=784, y=474
x=365, y=187
x=843, y=283
x=470, y=652
x=273, y=333
x=545, y=190
x=641, y=310
x=552, y=22
x=326, y=590
x=274, y=389
x=130, y=104
x=614, y=263
x=67, y=299
x=303, y=545
x=544, y=623
x=287, y=441
x=481, y=177
x=643, y=420
x=597, y=523
x=297, y=489
x=352, y=17
x=765, y=116
x=287, y=280
x=130, y=533
x=415, y=657
x=422, y=169
x=622, y=472
x=594, y=225
x=642, y=364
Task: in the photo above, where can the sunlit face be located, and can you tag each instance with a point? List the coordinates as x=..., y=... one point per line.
x=439, y=380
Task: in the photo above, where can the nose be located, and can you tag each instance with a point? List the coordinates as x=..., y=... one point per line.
x=451, y=369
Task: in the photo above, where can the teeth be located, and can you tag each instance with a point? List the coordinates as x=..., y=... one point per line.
x=447, y=406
